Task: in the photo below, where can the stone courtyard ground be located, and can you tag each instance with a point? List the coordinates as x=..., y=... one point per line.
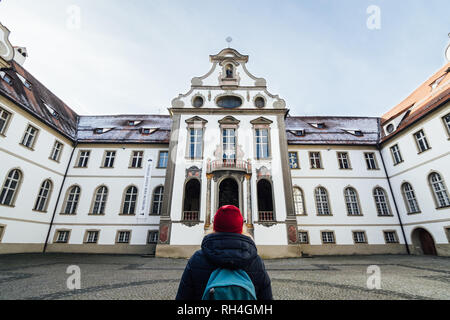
x=37, y=276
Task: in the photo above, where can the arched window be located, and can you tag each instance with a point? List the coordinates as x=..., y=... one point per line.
x=299, y=203
x=381, y=202
x=101, y=195
x=265, y=201
x=157, y=200
x=322, y=202
x=191, y=207
x=412, y=206
x=43, y=196
x=352, y=202
x=439, y=190
x=10, y=188
x=72, y=198
x=129, y=201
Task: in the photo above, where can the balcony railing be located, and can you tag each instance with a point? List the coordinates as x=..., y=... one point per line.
x=266, y=216
x=229, y=164
x=191, y=215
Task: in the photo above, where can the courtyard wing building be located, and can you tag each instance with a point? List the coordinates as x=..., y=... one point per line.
x=150, y=184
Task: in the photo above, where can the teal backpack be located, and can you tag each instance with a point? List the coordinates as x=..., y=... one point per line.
x=225, y=284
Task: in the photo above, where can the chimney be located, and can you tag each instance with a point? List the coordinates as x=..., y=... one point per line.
x=20, y=55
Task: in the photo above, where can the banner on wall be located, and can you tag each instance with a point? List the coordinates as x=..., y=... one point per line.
x=145, y=206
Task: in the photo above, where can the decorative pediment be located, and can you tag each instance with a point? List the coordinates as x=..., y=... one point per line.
x=229, y=54
x=261, y=120
x=196, y=121
x=6, y=49
x=229, y=120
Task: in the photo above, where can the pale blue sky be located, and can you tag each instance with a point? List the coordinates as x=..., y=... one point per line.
x=135, y=56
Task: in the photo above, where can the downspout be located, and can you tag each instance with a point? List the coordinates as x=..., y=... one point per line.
x=59, y=196
x=393, y=198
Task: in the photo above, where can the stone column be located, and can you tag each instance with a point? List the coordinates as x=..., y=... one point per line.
x=209, y=177
x=248, y=178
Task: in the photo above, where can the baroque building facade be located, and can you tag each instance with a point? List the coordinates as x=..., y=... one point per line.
x=150, y=184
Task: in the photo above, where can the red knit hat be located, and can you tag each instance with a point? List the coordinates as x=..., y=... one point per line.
x=228, y=219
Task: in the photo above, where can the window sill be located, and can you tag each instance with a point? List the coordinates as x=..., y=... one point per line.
x=127, y=215
x=324, y=215
x=134, y=167
x=355, y=215
x=385, y=215
x=420, y=152
x=28, y=148
x=96, y=214
x=7, y=205
x=444, y=207
x=39, y=211
x=400, y=162
x=57, y=161
x=67, y=214
x=413, y=213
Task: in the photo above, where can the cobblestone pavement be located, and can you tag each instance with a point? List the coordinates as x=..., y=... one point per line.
x=37, y=276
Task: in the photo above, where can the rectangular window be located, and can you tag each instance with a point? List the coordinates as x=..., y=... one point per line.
x=29, y=137
x=229, y=144
x=371, y=161
x=83, y=159
x=421, y=141
x=163, y=159
x=359, y=237
x=136, y=159
x=396, y=155
x=110, y=156
x=2, y=230
x=5, y=116
x=303, y=237
x=152, y=237
x=343, y=160
x=92, y=236
x=328, y=237
x=293, y=160
x=447, y=232
x=446, y=120
x=56, y=151
x=62, y=236
x=123, y=237
x=390, y=237
x=262, y=143
x=195, y=143
x=315, y=160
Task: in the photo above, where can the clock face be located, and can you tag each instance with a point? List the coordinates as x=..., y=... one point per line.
x=447, y=53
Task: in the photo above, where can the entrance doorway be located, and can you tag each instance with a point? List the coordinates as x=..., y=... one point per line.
x=229, y=193
x=422, y=239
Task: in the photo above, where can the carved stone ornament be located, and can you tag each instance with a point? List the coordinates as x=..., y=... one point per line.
x=6, y=49
x=177, y=103
x=193, y=172
x=263, y=172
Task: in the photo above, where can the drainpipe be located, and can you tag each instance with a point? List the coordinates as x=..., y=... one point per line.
x=393, y=197
x=59, y=196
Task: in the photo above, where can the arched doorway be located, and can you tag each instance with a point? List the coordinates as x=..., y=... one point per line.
x=423, y=240
x=265, y=200
x=229, y=193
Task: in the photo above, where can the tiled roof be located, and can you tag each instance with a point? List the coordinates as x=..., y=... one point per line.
x=336, y=130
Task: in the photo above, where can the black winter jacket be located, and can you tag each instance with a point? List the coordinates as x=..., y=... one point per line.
x=229, y=251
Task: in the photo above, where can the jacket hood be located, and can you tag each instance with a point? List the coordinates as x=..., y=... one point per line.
x=229, y=250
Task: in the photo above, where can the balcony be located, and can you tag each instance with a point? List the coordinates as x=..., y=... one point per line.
x=266, y=216
x=229, y=164
x=191, y=218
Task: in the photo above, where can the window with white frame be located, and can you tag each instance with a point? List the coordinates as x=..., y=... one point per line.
x=108, y=162
x=5, y=116
x=56, y=151
x=72, y=199
x=83, y=158
x=328, y=237
x=163, y=159
x=157, y=200
x=92, y=236
x=62, y=236
x=396, y=155
x=371, y=161
x=439, y=190
x=446, y=120
x=359, y=237
x=100, y=197
x=136, y=159
x=43, y=196
x=29, y=138
x=315, y=160
x=303, y=237
x=195, y=143
x=343, y=160
x=229, y=143
x=299, y=204
x=10, y=188
x=322, y=202
x=421, y=141
x=293, y=160
x=390, y=237
x=152, y=237
x=262, y=143
x=123, y=237
x=381, y=202
x=412, y=206
x=129, y=202
x=352, y=202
